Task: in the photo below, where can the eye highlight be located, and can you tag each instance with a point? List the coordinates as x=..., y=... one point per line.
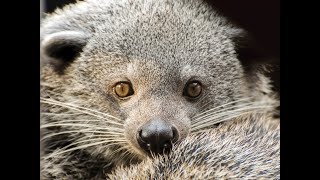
x=192, y=89
x=123, y=89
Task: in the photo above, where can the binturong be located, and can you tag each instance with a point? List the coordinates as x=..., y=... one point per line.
x=124, y=79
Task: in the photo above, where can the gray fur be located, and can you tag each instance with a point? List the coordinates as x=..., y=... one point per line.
x=246, y=148
x=158, y=46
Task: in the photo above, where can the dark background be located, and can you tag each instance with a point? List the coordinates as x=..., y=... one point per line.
x=260, y=17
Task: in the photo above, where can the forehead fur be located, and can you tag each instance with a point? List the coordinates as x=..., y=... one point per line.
x=159, y=31
x=185, y=30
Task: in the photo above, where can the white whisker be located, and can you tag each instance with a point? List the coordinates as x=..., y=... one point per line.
x=81, y=131
x=82, y=147
x=61, y=114
x=80, y=125
x=193, y=130
x=231, y=102
x=211, y=111
x=127, y=153
x=118, y=150
x=88, y=121
x=72, y=105
x=243, y=99
x=80, y=141
x=201, y=99
x=79, y=110
x=214, y=115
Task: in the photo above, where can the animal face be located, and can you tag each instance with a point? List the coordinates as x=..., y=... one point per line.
x=160, y=89
x=142, y=74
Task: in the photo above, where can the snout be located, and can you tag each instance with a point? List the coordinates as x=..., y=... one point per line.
x=157, y=136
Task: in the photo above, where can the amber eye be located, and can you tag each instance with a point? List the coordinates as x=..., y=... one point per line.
x=192, y=89
x=123, y=89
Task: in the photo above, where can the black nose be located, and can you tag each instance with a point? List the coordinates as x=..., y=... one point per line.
x=157, y=136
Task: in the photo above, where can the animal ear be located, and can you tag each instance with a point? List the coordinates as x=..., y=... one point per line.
x=256, y=59
x=249, y=52
x=61, y=48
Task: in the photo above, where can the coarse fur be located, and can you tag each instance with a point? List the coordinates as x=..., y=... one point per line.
x=157, y=46
x=246, y=148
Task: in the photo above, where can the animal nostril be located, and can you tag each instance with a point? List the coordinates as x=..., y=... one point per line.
x=140, y=135
x=157, y=136
x=167, y=144
x=175, y=135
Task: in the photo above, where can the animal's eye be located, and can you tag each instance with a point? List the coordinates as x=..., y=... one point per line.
x=123, y=89
x=192, y=89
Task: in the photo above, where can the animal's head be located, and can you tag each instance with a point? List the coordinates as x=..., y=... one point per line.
x=147, y=70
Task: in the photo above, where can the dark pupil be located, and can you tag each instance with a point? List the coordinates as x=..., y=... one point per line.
x=122, y=86
x=122, y=89
x=194, y=89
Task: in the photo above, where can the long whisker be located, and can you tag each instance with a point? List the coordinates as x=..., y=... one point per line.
x=83, y=147
x=201, y=99
x=120, y=137
x=193, y=130
x=205, y=120
x=109, y=121
x=72, y=105
x=88, y=121
x=80, y=125
x=77, y=108
x=232, y=102
x=128, y=153
x=221, y=118
x=92, y=139
x=81, y=131
x=241, y=109
x=215, y=120
x=78, y=120
x=132, y=157
x=60, y=114
x=118, y=150
x=125, y=153
x=211, y=111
